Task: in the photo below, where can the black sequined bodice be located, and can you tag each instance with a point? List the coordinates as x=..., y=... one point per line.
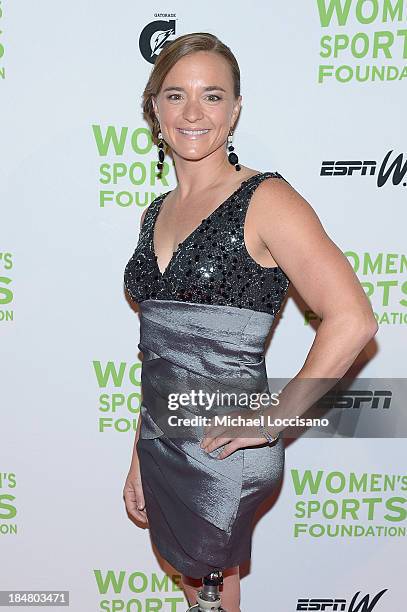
x=212, y=265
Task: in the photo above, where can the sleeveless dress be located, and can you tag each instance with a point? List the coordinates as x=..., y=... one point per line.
x=203, y=325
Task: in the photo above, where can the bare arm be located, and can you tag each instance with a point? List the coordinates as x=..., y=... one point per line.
x=293, y=234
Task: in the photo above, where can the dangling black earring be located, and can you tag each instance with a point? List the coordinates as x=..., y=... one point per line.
x=161, y=154
x=232, y=157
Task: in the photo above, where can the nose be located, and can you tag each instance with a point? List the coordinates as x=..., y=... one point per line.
x=192, y=111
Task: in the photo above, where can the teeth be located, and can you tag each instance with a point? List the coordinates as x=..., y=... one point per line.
x=192, y=132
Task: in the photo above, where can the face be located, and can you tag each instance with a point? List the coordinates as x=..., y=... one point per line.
x=196, y=106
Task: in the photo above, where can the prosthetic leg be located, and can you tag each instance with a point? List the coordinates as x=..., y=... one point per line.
x=209, y=598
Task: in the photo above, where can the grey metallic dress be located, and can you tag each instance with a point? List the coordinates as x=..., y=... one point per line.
x=203, y=326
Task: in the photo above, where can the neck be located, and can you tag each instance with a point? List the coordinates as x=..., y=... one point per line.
x=196, y=176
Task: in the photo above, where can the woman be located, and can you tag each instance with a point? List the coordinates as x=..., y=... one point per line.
x=210, y=274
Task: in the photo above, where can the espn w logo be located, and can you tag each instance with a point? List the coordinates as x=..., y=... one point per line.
x=339, y=605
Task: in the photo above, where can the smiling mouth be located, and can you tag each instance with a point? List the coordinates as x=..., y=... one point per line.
x=192, y=132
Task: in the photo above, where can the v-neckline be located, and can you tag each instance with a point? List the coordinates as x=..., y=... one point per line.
x=181, y=244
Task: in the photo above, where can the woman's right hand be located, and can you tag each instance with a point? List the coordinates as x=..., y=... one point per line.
x=133, y=495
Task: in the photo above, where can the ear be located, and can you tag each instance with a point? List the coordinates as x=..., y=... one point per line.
x=155, y=107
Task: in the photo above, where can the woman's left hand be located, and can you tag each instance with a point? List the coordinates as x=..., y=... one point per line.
x=234, y=437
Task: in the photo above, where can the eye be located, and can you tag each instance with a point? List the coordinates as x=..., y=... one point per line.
x=177, y=96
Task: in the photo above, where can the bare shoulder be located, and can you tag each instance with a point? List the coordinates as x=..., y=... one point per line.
x=287, y=222
x=276, y=197
x=284, y=218
x=291, y=230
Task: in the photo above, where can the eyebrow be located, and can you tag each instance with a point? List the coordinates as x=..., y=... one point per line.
x=209, y=88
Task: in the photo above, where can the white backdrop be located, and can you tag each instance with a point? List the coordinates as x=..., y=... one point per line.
x=71, y=79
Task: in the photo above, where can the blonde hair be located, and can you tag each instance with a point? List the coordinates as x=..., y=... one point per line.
x=169, y=56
